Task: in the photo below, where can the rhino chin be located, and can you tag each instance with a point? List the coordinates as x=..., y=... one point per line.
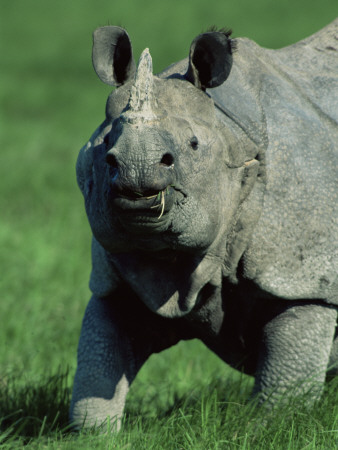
x=144, y=224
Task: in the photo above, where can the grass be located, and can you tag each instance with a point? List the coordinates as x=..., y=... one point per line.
x=50, y=103
x=214, y=414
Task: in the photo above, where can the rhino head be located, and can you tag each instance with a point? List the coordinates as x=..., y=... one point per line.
x=163, y=173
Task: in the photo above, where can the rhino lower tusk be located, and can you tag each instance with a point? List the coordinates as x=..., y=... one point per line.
x=153, y=196
x=161, y=204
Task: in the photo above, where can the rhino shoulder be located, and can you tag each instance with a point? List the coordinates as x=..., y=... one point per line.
x=103, y=278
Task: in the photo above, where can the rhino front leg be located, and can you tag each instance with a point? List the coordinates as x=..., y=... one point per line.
x=108, y=360
x=295, y=353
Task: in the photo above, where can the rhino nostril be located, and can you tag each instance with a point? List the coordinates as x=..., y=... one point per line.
x=167, y=160
x=111, y=160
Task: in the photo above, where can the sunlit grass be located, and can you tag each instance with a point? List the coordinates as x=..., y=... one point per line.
x=216, y=414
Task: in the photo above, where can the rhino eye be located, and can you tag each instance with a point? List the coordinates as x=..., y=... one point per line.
x=194, y=143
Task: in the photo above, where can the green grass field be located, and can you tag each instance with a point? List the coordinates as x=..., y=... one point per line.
x=50, y=103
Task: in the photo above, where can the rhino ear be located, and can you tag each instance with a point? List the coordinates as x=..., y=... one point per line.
x=112, y=55
x=210, y=59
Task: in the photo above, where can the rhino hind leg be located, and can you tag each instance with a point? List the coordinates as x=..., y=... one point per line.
x=333, y=362
x=295, y=353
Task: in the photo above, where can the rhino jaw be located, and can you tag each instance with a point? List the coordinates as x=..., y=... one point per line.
x=146, y=212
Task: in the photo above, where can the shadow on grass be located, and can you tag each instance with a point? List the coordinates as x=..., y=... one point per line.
x=219, y=412
x=222, y=413
x=224, y=391
x=221, y=398
x=33, y=409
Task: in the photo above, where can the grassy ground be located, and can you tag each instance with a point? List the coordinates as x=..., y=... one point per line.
x=50, y=102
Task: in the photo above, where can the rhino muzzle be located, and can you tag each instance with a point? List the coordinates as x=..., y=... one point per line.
x=142, y=198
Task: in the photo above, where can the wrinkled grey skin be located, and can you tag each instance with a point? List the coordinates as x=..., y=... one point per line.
x=212, y=193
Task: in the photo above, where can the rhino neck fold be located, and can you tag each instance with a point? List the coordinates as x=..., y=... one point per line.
x=245, y=222
x=170, y=289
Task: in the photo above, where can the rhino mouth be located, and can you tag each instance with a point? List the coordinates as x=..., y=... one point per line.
x=139, y=212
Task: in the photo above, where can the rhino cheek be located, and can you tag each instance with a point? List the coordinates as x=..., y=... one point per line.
x=194, y=226
x=205, y=210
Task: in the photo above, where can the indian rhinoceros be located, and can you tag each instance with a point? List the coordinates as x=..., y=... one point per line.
x=212, y=193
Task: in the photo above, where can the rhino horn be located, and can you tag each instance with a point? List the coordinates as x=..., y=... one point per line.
x=141, y=97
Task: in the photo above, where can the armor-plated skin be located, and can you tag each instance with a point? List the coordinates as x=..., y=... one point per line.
x=212, y=193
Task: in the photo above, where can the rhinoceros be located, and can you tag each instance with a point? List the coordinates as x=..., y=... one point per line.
x=212, y=193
